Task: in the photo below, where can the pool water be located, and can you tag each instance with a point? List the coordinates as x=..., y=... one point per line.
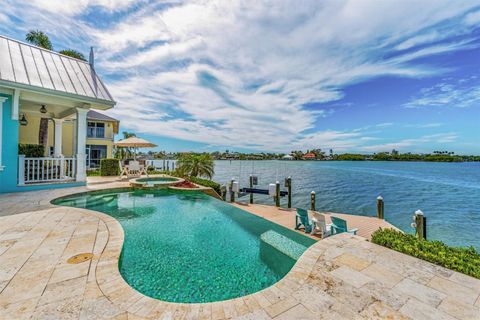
x=189, y=247
x=154, y=181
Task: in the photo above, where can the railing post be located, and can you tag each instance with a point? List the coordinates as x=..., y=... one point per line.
x=420, y=225
x=380, y=207
x=312, y=201
x=21, y=170
x=62, y=167
x=277, y=194
x=289, y=189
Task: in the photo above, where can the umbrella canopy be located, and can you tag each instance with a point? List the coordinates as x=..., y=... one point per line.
x=134, y=142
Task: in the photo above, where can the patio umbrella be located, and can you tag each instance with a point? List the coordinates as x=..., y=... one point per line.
x=134, y=142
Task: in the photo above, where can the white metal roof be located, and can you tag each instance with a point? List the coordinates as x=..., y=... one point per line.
x=25, y=64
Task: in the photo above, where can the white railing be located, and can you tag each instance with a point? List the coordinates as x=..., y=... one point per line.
x=37, y=170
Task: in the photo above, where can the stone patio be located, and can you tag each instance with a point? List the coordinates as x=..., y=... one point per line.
x=341, y=277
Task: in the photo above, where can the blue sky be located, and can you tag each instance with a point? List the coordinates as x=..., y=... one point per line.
x=355, y=76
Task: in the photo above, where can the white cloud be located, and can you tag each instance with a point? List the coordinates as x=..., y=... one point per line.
x=73, y=7
x=462, y=94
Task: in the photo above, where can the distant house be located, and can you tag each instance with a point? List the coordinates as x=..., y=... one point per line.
x=309, y=156
x=46, y=123
x=287, y=157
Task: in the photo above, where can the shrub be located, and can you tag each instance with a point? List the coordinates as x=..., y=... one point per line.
x=31, y=150
x=464, y=260
x=93, y=173
x=109, y=167
x=206, y=183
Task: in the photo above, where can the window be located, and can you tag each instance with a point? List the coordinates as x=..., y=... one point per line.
x=96, y=130
x=95, y=154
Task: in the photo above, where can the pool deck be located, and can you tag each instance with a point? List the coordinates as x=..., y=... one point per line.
x=341, y=277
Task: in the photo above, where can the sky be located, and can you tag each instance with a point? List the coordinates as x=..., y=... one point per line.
x=352, y=76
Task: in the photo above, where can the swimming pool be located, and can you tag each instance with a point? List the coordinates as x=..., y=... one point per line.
x=189, y=247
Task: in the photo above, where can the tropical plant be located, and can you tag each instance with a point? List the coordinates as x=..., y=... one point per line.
x=464, y=260
x=196, y=165
x=124, y=152
x=73, y=53
x=39, y=38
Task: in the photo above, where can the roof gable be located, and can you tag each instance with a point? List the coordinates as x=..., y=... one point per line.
x=29, y=65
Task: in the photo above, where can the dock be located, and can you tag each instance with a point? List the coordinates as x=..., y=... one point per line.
x=286, y=217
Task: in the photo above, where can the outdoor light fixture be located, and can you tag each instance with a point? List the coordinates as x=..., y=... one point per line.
x=23, y=121
x=43, y=109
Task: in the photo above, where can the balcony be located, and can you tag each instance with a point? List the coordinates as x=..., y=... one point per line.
x=96, y=132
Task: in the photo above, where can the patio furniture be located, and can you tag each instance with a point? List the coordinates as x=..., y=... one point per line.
x=123, y=169
x=301, y=219
x=320, y=226
x=134, y=168
x=340, y=226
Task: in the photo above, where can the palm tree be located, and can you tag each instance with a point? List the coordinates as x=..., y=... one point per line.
x=39, y=38
x=73, y=53
x=195, y=165
x=124, y=152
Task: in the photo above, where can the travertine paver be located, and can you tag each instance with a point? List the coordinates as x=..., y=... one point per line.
x=341, y=277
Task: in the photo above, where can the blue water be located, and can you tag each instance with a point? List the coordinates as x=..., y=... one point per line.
x=189, y=247
x=448, y=193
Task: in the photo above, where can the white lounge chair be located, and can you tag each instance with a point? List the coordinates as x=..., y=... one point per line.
x=123, y=170
x=319, y=225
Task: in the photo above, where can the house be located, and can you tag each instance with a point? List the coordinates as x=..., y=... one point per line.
x=309, y=156
x=45, y=102
x=287, y=157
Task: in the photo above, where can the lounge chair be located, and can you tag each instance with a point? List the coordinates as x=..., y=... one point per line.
x=320, y=226
x=301, y=219
x=123, y=170
x=340, y=226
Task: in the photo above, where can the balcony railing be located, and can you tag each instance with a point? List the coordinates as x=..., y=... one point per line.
x=38, y=170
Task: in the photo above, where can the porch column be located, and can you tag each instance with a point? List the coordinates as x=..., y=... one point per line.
x=81, y=143
x=58, y=137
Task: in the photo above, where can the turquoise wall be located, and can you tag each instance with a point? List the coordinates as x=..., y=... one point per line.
x=8, y=177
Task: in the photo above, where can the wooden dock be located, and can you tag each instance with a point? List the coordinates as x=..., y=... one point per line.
x=286, y=217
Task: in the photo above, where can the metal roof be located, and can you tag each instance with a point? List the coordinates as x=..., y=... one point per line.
x=94, y=115
x=25, y=64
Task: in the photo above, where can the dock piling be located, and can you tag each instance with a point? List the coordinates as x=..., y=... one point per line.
x=232, y=194
x=277, y=194
x=289, y=188
x=312, y=201
x=251, y=186
x=380, y=208
x=420, y=225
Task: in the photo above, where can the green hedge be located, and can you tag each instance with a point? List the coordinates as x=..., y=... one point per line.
x=206, y=183
x=464, y=260
x=93, y=173
x=31, y=150
x=109, y=167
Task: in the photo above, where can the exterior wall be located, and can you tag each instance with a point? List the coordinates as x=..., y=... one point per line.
x=68, y=139
x=29, y=134
x=8, y=176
